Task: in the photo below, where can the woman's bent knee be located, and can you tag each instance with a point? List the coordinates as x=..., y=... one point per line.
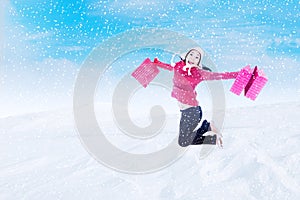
x=183, y=143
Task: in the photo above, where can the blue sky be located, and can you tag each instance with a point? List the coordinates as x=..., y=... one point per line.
x=43, y=43
x=70, y=29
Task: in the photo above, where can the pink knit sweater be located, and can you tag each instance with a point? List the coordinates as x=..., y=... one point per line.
x=184, y=85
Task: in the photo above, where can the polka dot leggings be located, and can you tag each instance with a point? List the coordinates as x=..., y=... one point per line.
x=190, y=118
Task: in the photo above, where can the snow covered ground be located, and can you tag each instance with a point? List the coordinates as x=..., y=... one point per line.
x=42, y=157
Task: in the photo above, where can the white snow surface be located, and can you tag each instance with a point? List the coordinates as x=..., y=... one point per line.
x=42, y=158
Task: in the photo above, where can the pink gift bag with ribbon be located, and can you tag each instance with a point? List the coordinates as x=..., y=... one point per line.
x=256, y=83
x=241, y=80
x=146, y=72
x=251, y=81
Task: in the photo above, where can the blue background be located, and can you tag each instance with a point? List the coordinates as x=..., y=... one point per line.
x=44, y=43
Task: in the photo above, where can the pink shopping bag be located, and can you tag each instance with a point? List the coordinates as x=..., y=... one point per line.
x=257, y=82
x=241, y=80
x=146, y=72
x=251, y=81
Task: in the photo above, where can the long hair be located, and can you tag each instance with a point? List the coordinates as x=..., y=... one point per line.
x=206, y=68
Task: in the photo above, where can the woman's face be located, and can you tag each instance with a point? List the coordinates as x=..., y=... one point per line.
x=193, y=57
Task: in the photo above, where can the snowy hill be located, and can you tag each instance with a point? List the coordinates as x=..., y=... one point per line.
x=42, y=158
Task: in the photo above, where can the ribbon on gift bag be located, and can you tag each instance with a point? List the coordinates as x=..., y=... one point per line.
x=146, y=72
x=254, y=74
x=251, y=81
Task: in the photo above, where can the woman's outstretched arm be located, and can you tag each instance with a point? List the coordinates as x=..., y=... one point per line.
x=163, y=65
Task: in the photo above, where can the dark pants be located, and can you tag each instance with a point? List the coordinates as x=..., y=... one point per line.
x=190, y=118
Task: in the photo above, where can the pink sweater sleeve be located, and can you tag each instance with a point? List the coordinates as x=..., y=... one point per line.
x=163, y=65
x=206, y=75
